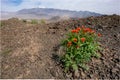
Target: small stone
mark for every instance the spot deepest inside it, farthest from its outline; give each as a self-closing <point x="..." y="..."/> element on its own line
<point x="102" y="58"/>
<point x="114" y="70"/>
<point x="61" y="34"/>
<point x="91" y="76"/>
<point x="54" y="73"/>
<point x="69" y="75"/>
<point x="83" y="74"/>
<point x="76" y="74"/>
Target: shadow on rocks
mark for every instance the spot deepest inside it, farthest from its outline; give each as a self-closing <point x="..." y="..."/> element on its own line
<point x="56" y="56"/>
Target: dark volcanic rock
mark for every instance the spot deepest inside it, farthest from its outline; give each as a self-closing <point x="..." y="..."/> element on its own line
<point x="27" y="49"/>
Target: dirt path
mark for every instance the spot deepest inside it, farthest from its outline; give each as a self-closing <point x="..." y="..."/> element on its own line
<point x="31" y="51"/>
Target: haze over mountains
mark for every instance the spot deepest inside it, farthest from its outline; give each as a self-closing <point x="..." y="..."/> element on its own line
<point x="47" y="13"/>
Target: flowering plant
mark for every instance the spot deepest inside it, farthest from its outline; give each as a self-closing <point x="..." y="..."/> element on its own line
<point x="81" y="45"/>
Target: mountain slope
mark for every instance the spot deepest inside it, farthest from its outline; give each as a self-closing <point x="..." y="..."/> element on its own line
<point x="57" y="12"/>
<point x="47" y="13"/>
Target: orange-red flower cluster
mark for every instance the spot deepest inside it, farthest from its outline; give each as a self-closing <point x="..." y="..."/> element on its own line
<point x="69" y="43"/>
<point x="89" y="30"/>
<point x="83" y="39"/>
<point x="78" y="28"/>
<point x="74" y="31"/>
<point x="92" y="31"/>
<point x="75" y="39"/>
<point x="99" y="34"/>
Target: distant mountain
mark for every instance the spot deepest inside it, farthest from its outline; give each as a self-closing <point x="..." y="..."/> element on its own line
<point x="48" y="13"/>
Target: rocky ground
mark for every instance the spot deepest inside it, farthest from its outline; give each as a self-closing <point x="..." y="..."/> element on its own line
<point x="33" y="50"/>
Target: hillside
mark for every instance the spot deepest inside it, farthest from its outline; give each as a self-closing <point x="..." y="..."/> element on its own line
<point x="33" y="50"/>
<point x="57" y="12"/>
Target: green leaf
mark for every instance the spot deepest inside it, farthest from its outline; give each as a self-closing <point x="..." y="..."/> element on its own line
<point x="75" y="67"/>
<point x="84" y="66"/>
<point x="67" y="64"/>
<point x="97" y="55"/>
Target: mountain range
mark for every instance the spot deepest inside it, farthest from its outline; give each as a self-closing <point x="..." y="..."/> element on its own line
<point x="47" y="13"/>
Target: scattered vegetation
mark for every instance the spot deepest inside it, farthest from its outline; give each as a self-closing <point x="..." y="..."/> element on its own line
<point x="81" y="45"/>
<point x="6" y="52"/>
<point x="24" y="20"/>
<point x="34" y="21"/>
<point x="1" y="24"/>
<point x="42" y="21"/>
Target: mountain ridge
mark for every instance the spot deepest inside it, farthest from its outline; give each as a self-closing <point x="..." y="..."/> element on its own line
<point x="48" y="13"/>
<point x="57" y="12"/>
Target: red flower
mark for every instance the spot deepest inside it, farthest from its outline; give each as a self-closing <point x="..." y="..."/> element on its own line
<point x="75" y="39"/>
<point x="78" y="28"/>
<point x="69" y="43"/>
<point x="86" y="29"/>
<point x="83" y="39"/>
<point x="77" y="31"/>
<point x="99" y="34"/>
<point x="74" y="31"/>
<point x="92" y="31"/>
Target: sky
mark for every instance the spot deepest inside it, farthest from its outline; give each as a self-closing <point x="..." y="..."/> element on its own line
<point x="99" y="6"/>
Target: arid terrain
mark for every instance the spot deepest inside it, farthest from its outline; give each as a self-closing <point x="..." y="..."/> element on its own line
<point x="32" y="51"/>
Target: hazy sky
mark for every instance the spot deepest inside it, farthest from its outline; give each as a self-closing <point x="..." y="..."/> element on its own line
<point x="99" y="6"/>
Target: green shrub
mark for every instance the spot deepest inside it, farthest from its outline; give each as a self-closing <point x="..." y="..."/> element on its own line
<point x="1" y="24"/>
<point x="24" y="20"/>
<point x="6" y="52"/>
<point x="34" y="21"/>
<point x="42" y="21"/>
<point x="81" y="45"/>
